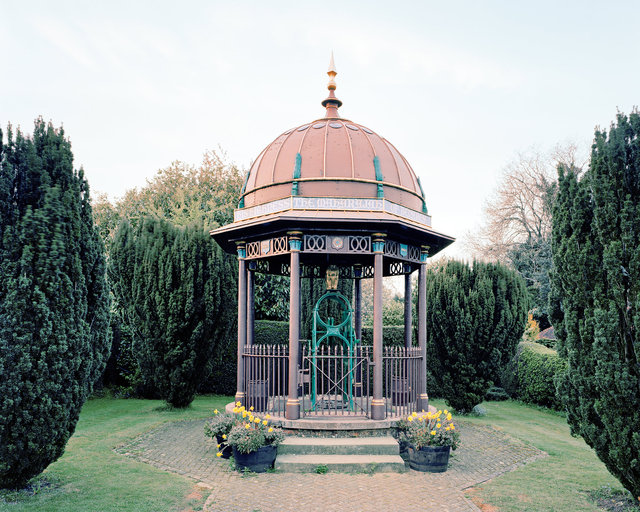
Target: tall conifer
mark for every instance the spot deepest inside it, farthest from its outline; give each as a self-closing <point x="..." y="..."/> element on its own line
<point x="595" y="300"/>
<point x="178" y="293"/>
<point x="54" y="305"/>
<point x="475" y="318"/>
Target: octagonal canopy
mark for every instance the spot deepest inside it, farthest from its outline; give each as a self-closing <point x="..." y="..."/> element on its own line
<point x="334" y="173"/>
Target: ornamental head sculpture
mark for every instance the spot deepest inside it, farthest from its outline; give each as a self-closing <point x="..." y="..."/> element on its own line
<point x="333" y="275"/>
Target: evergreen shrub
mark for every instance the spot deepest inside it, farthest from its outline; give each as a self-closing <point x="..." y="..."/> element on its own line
<point x="54" y="301"/>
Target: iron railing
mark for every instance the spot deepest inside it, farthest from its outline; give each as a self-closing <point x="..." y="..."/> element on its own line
<point x="333" y="381"/>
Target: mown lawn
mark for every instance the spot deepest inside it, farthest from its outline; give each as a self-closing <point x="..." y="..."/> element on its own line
<point x="558" y="483"/>
<point x="91" y="477"/>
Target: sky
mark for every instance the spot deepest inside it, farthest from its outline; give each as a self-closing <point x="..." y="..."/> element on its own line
<point x="460" y="88"/>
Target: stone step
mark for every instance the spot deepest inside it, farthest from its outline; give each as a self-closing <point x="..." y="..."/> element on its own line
<point x="316" y="463"/>
<point x="381" y="445"/>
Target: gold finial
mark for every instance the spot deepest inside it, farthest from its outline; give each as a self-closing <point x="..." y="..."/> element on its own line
<point x="332" y="74"/>
<point x="332" y="103"/>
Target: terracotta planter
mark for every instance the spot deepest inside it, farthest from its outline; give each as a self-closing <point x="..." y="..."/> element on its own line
<point x="258" y="461"/>
<point x="429" y="459"/>
<point x="226" y="451"/>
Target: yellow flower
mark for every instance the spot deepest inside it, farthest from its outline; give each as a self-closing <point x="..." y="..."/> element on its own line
<point x="224" y="436"/>
<point x="410" y="418"/>
<point x="251" y="408"/>
<point x="246" y="425"/>
<point x="268" y="416"/>
<point x="446" y="412"/>
<point x="244" y="414"/>
<point x="235" y="409"/>
<point x="242" y="408"/>
<point x="420" y="418"/>
<point x="250" y="417"/>
<point x="265" y="423"/>
<point x="270" y="430"/>
<point x="215" y="411"/>
<point x="218" y="454"/>
<point x="433" y="432"/>
<point x="415" y="414"/>
<point x="449" y="416"/>
<point x="256" y="420"/>
<point x="438" y="425"/>
<point x="453" y="427"/>
<point x="238" y="404"/>
<point x="429" y="415"/>
<point x="218" y="446"/>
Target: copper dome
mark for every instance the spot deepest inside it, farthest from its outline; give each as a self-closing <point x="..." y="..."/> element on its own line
<point x="332" y="157"/>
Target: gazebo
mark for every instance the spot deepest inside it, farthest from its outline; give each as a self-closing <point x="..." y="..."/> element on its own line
<point x="331" y="198"/>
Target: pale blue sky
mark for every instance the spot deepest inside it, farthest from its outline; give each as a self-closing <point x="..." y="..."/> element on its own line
<point x="458" y="87"/>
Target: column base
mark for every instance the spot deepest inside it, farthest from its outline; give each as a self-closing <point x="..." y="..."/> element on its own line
<point x="292" y="409"/>
<point x="240" y="397"/>
<point x="423" y="403"/>
<point x="378" y="409"/>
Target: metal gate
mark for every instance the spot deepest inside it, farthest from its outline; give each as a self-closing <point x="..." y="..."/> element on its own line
<point x="336" y="380"/>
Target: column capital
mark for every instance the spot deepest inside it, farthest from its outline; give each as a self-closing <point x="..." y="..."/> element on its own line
<point x="424" y="253"/>
<point x="378" y="240"/>
<point x="241" y="247"/>
<point x="295" y="240"/>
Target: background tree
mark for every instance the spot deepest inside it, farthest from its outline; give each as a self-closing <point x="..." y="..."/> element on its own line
<point x="475" y="318"/>
<point x="182" y="194"/>
<point x="517" y="222"/>
<point x="595" y="301"/>
<point x="54" y="304"/>
<point x="178" y="292"/>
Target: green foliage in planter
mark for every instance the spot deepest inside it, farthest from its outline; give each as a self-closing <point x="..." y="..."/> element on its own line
<point x="476" y="316"/>
<point x="220" y="424"/>
<point x="595" y="297"/>
<point x="54" y="301"/>
<point x="177" y="290"/>
<point x="248" y="436"/>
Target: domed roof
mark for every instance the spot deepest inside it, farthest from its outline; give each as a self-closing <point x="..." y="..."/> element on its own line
<point x="332" y="157"/>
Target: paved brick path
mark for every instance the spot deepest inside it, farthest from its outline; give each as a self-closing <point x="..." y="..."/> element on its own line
<point x="181" y="448"/>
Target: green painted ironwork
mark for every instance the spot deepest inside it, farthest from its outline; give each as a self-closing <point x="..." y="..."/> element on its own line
<point x="296" y="174"/>
<point x="244" y="187"/>
<point x="379" y="177"/>
<point x="343" y="331"/>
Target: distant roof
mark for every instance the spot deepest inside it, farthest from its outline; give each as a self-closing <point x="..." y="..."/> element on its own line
<point x="547" y="334"/>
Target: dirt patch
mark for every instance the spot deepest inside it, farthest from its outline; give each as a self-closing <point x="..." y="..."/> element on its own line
<point x="477" y="501"/>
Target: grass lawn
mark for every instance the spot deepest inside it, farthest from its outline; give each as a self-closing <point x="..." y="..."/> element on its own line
<point x="91" y="477"/>
<point x="560" y="482"/>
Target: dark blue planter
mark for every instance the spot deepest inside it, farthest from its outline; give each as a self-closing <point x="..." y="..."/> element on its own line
<point x="429" y="459"/>
<point x="258" y="461"/>
<point x="226" y="451"/>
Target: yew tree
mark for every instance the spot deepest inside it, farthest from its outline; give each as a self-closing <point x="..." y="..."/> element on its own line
<point x="595" y="297"/>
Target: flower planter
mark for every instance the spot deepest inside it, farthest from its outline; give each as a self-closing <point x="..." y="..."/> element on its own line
<point x="429" y="459"/>
<point x="226" y="451"/>
<point x="258" y="461"/>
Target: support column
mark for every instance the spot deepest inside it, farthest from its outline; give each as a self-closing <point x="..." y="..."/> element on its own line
<point x="378" y="406"/>
<point x="251" y="310"/>
<point x="408" y="319"/>
<point x="292" y="410"/>
<point x="423" y="397"/>
<point x="242" y="320"/>
<point x="357" y="295"/>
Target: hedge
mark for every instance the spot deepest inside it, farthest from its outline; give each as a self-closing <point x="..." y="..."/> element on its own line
<point x="530" y="376"/>
<point x="273" y="332"/>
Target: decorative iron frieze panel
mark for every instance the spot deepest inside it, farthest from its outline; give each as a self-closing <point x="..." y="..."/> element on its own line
<point x="315" y="243"/>
<point x="266" y="248"/>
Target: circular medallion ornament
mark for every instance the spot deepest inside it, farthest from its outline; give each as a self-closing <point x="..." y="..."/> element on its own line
<point x="337" y="242"/>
